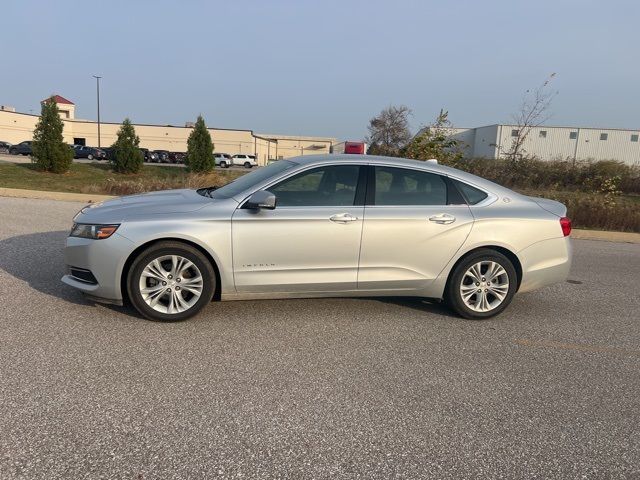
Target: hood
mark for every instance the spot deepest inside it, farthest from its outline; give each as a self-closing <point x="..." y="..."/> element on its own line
<point x="551" y="206"/>
<point x="163" y="202"/>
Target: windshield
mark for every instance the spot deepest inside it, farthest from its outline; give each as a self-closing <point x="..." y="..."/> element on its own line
<point x="247" y="181"/>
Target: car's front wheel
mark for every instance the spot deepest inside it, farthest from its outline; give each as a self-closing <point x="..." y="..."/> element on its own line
<point x="247" y="165"/>
<point x="223" y="164"/>
<point x="482" y="285"/>
<point x="170" y="281"/>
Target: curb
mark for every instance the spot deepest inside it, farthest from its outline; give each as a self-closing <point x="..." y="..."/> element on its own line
<point x="605" y="236"/>
<point x="46" y="195"/>
<point x="576" y="234"/>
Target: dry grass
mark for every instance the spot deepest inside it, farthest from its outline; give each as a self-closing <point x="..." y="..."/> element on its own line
<point x="125" y="186"/>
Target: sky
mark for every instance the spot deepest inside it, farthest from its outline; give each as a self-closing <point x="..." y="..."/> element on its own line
<point x="323" y="68"/>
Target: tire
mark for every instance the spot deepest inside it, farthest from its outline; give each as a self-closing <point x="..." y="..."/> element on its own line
<point x="12" y="152"/>
<point x="89" y="157"/>
<point x="223" y="164"/>
<point x="159" y="301"/>
<point x="481" y="300"/>
<point x="247" y="165"/>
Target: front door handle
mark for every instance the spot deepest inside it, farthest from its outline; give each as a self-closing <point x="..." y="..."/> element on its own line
<point x="442" y="218"/>
<point x="343" y="218"/>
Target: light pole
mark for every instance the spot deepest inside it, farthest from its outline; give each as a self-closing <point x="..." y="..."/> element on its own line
<point x="98" y="96"/>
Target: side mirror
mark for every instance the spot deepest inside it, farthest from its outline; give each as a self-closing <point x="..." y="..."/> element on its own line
<point x="261" y="199"/>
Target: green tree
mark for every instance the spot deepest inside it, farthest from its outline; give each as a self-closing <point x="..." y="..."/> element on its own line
<point x="127" y="155"/>
<point x="436" y="141"/>
<point x="200" y="148"/>
<point x="50" y="152"/>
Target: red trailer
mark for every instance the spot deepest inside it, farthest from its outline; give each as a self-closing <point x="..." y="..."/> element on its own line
<point x="355" y="148"/>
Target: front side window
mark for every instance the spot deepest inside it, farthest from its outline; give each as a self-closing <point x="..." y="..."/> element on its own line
<point x="401" y="186"/>
<point x="252" y="179"/>
<point x="333" y="185"/>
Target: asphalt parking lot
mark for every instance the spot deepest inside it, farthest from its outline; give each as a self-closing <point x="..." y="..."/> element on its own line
<point x="353" y="388"/>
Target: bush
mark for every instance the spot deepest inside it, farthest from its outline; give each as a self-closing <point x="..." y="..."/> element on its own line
<point x="603" y="176"/>
<point x="199" y="157"/>
<point x="597" y="211"/>
<point x="49" y="151"/>
<point x="127" y="157"/>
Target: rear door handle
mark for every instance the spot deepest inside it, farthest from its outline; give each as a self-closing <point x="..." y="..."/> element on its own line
<point x="442" y="218"/>
<point x="343" y="218"/>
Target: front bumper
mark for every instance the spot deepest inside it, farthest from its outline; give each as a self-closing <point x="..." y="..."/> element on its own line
<point x="104" y="259"/>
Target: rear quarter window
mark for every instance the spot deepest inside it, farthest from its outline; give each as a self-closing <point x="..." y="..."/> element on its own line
<point x="471" y="194"/>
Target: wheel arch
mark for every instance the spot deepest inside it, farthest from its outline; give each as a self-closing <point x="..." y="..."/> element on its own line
<point x="134" y="254"/>
<point x="513" y="258"/>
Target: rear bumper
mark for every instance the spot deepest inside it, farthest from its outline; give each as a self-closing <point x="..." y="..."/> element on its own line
<point x="104" y="259"/>
<point x="545" y="263"/>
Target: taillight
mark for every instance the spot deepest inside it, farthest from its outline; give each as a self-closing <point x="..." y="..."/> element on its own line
<point x="565" y="224"/>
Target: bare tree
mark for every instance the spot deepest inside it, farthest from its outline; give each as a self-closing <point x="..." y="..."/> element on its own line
<point x="389" y="131"/>
<point x="533" y="112"/>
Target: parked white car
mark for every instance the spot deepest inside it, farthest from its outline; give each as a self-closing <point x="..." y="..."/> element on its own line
<point x="244" y="160"/>
<point x="223" y="160"/>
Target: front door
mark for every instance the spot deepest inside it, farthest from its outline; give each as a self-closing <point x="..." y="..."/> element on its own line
<point x="413" y="227"/>
<point x="310" y="242"/>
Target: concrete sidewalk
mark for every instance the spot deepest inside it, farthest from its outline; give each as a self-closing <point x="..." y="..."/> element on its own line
<point x="605" y="236"/>
<point x="63" y="196"/>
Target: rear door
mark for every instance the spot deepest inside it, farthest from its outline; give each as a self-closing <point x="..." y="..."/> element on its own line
<point x="415" y="221"/>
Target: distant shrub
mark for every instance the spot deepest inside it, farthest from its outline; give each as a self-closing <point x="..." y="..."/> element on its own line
<point x="200" y="149"/>
<point x="127" y="155"/>
<point x="50" y="152"/>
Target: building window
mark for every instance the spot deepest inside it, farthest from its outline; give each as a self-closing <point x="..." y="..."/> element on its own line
<point x="604" y="136"/>
<point x="543" y="134"/>
<point x="514" y="133"/>
<point x="573" y="135"/>
<point x="634" y="137"/>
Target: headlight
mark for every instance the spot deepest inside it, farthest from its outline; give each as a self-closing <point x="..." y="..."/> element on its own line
<point x="96" y="232"/>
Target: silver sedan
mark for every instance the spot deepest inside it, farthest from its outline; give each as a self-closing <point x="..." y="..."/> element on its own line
<point x="321" y="226"/>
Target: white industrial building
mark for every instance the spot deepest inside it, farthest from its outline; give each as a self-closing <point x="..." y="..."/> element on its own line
<point x="549" y="143"/>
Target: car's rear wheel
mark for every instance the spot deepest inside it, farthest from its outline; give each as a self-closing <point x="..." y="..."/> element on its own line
<point x="481" y="285"/>
<point x="170" y="281"/>
<point x="247" y="165"/>
<point x="89" y="157"/>
<point x="223" y="164"/>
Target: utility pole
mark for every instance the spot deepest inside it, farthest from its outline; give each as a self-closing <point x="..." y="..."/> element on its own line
<point x="98" y="96"/>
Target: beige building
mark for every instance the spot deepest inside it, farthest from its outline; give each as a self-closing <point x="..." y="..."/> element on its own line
<point x="16" y="127"/>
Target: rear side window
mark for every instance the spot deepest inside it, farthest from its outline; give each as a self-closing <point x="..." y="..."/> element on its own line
<point x="401" y="186"/>
<point x="471" y="194"/>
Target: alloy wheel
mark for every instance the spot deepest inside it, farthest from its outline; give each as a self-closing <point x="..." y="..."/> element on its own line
<point x="484" y="286"/>
<point x="171" y="284"/>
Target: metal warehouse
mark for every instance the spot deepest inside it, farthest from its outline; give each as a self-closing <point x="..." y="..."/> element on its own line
<point x="549" y="143"/>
